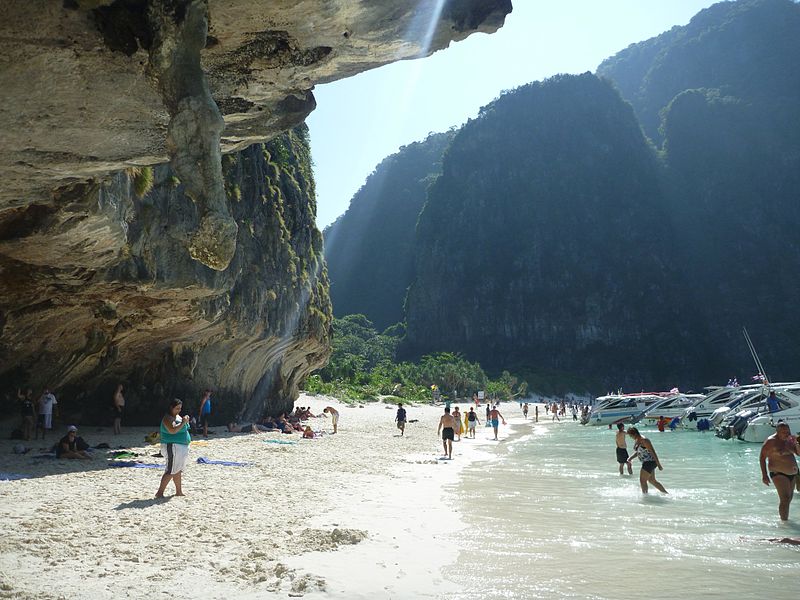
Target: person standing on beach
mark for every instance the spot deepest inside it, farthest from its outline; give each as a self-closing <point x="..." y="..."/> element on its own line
<point x="401" y="419"/>
<point x="119" y="407"/>
<point x="205" y="411"/>
<point x="554" y="410"/>
<point x="495" y="417"/>
<point x="779" y="450"/>
<point x="472" y="420"/>
<point x="647" y="454"/>
<point x="175" y="441"/>
<point x="622" y="450"/>
<point x="457" y="426"/>
<point x="536" y="412"/>
<point x="329" y="410"/>
<point x="447" y="429"/>
<point x="47" y="402"/>
<point x="525" y="410"/>
<point x="28" y="412"/>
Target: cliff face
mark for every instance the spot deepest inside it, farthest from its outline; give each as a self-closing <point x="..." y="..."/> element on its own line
<point x="93" y="86"/>
<point x="99" y="289"/>
<point x="567" y="262"/>
<point x="214" y="277"/>
<point x="370" y="249"/>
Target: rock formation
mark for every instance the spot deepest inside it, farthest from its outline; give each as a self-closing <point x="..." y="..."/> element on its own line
<point x="172" y="279"/>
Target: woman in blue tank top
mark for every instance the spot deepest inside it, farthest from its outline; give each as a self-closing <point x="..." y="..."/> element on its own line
<point x="175" y="440"/>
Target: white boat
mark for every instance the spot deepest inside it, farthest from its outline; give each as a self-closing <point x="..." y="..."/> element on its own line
<point x="622" y="408"/>
<point x="762" y="425"/>
<point x="717" y="397"/>
<point x="671" y="407"/>
<point x="735" y="405"/>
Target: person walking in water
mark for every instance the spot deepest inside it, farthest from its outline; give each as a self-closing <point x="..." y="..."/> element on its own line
<point x="329" y="410"/>
<point x="175" y="441"/>
<point x="472" y="420"/>
<point x="643" y="448"/>
<point x="401" y="419"/>
<point x="119" y="408"/>
<point x="494" y="418"/>
<point x="205" y="411"/>
<point x="622" y="450"/>
<point x="447" y="425"/>
<point x="778" y="452"/>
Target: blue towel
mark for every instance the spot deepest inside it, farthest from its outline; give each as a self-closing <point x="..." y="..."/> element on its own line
<point x="279" y="442"/>
<point x="13" y="476"/>
<point x="135" y="465"/>
<point x="226" y="463"/>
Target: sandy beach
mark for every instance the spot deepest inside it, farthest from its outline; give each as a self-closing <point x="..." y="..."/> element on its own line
<point x="346" y="515"/>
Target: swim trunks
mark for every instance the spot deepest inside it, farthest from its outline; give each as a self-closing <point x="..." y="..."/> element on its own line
<point x="622" y="455"/>
<point x="649" y="466"/>
<point x="401" y="424"/>
<point x="774" y="474"/>
<point x="177" y="455"/>
<point x="448" y="434"/>
<point x="495" y="423"/>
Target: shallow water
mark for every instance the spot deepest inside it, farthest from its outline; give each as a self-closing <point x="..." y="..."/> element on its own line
<point x="550" y="517"/>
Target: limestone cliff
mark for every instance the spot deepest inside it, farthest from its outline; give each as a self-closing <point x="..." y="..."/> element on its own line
<point x="98" y="289"/>
<point x="210" y="274"/>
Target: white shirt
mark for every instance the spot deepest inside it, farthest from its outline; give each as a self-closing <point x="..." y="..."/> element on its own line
<point x="46" y="403"/>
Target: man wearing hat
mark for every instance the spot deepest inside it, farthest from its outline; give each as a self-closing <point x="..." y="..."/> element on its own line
<point x="72" y="446"/>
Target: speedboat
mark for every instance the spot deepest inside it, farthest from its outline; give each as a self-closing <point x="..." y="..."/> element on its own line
<point x="762" y="425"/>
<point x="670" y="408"/>
<point x="717" y="397"/>
<point x="735" y="405"/>
<point x="622" y="408"/>
<point x="752" y="405"/>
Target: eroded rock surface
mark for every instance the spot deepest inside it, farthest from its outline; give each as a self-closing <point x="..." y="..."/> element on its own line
<point x="215" y="276"/>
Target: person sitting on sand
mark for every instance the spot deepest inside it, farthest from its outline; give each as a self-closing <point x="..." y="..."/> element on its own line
<point x="308" y="433"/>
<point x="72" y="446"/>
<point x="329" y="410"/>
<point x="175" y="440"/>
<point x="643" y="448"/>
<point x="780" y="449"/>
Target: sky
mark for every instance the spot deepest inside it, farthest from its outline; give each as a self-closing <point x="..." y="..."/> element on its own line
<point x="361" y="120"/>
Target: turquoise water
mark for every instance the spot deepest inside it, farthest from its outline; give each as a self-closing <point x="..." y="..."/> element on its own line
<point x="550" y="517"/>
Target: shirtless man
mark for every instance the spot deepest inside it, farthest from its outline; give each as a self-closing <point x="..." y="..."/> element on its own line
<point x="447" y="430"/>
<point x="494" y="417"/>
<point x="622" y="450"/>
<point x="779" y="449"/>
<point x="334" y="416"/>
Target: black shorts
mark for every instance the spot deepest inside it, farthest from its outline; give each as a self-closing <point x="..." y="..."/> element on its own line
<point x="622" y="455"/>
<point x="649" y="466"/>
<point x="204" y="419"/>
<point x="448" y="434"/>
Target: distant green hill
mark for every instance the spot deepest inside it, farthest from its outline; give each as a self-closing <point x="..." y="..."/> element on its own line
<point x="370" y="248"/>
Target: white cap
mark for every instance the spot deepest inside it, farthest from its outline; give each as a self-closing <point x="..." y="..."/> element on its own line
<point x="72" y="428"/>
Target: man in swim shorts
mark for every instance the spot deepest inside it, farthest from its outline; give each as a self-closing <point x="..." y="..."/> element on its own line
<point x="779" y="451"/>
<point x="447" y="430"/>
<point x="401" y="419"/>
<point x="622" y="450"/>
<point x="494" y="419"/>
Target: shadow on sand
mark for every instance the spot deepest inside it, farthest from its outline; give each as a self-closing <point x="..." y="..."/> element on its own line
<point x="145" y="503"/>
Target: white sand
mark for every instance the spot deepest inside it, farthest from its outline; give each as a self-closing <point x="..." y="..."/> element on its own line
<point x="80" y="529"/>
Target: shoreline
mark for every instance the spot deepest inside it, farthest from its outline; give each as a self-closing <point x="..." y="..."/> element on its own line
<point x="289" y="525"/>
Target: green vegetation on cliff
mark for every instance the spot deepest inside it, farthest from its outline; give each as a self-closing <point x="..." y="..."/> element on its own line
<point x="369" y="249"/>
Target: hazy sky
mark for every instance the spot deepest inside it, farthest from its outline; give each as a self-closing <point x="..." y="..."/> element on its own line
<point x="360" y="121"/>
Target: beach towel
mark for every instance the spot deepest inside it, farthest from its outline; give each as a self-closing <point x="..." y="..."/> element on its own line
<point x="198" y="443"/>
<point x="13" y="476"/>
<point x="279" y="442"/>
<point x="117" y="454"/>
<point x="135" y="465"/>
<point x="225" y="463"/>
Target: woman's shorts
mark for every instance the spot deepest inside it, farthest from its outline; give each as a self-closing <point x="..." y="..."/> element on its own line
<point x="649" y="466"/>
<point x="176" y="455"/>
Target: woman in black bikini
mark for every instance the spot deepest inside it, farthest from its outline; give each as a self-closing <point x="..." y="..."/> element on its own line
<point x="643" y="448"/>
<point x="780" y="449"/>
